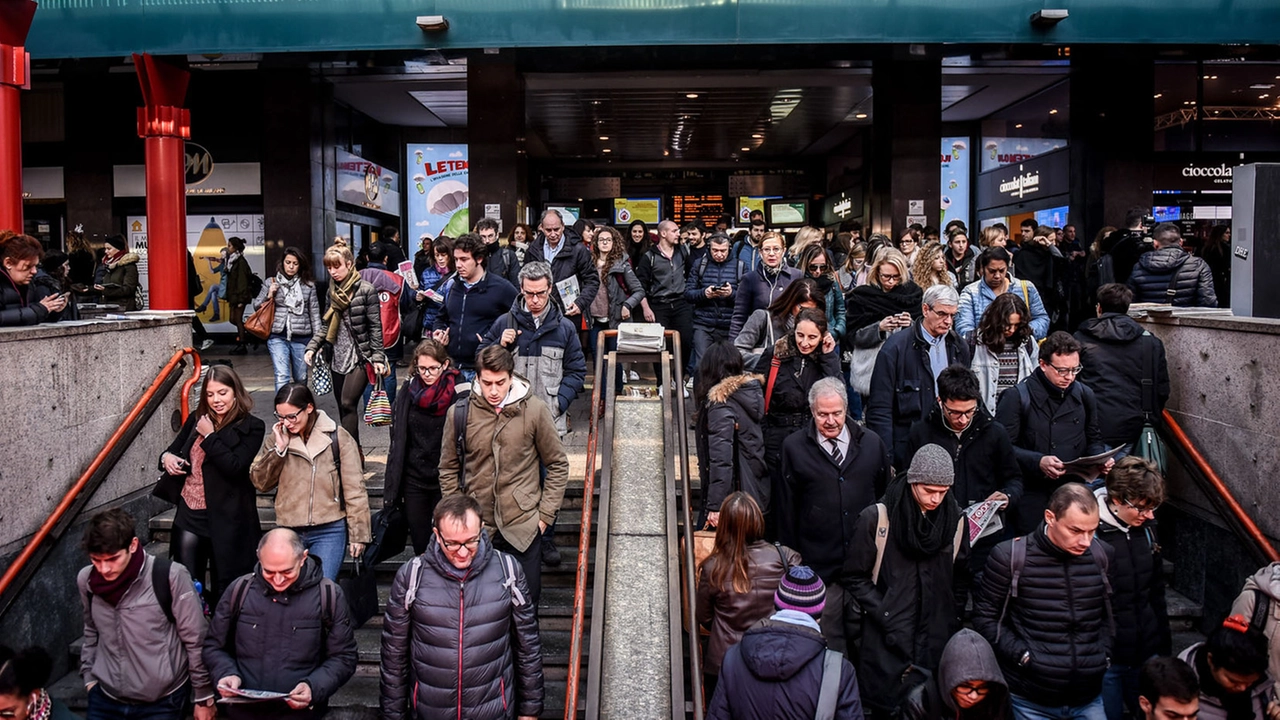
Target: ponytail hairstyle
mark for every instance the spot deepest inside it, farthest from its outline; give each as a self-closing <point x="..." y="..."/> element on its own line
<point x="22" y="673"/>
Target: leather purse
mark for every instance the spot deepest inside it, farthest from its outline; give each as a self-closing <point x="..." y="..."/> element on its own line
<point x="259" y="323"/>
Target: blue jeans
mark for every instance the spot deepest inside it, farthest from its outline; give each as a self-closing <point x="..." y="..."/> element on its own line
<point x="286" y="360"/>
<point x="1120" y="690"/>
<point x="1024" y="709"/>
<point x="328" y="543"/>
<point x="104" y="707"/>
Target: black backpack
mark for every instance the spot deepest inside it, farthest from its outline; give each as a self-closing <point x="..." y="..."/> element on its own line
<point x="160" y="584"/>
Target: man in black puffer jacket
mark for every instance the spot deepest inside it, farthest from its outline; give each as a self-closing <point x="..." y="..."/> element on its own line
<point x="1044" y="605"/>
<point x="1170" y="267"/>
<point x="460" y="638"/>
<point x="712" y="290"/>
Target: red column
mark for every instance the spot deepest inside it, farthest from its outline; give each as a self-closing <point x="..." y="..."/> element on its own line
<point x="15" y="76"/>
<point x="165" y="126"/>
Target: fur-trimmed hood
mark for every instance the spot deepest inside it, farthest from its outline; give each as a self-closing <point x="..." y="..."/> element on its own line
<point x="723" y="390"/>
<point x="785" y="347"/>
<point x="127" y="259"/>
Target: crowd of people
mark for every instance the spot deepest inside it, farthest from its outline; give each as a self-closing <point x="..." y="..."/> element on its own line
<point x="857" y="404"/>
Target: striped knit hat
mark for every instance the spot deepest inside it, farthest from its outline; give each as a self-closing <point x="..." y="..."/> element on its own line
<point x="801" y="590"/>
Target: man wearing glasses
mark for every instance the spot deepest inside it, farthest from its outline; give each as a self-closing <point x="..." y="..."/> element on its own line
<point x="995" y="267"/>
<point x="1052" y="420"/>
<point x="460" y="636"/>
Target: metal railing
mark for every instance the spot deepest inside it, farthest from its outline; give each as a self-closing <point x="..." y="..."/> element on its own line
<point x="24" y="567"/>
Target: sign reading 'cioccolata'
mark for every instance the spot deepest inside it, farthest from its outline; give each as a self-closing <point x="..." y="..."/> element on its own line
<point x="1021" y="185"/>
<point x="1043" y="176"/>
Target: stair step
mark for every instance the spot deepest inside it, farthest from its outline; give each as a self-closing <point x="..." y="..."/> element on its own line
<point x="1182" y="607"/>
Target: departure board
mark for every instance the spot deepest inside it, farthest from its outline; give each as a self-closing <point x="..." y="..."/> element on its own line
<point x="705" y="209"/>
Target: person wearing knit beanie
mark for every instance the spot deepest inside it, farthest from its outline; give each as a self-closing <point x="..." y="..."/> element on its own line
<point x="932" y="465"/>
<point x="801" y="590"/>
<point x="118" y="243"/>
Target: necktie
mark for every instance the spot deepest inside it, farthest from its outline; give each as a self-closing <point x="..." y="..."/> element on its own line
<point x="835" y="452"/>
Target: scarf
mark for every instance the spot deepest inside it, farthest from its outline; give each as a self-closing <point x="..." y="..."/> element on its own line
<point x="1239" y="706"/>
<point x="292" y="288"/>
<point x="435" y="399"/>
<point x="918" y="534"/>
<point x="40" y="707"/>
<point x="112" y="591"/>
<point x="340" y="296"/>
<point x="868" y="304"/>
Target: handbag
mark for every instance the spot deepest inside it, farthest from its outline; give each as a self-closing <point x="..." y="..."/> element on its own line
<point x="377" y="412"/>
<point x="1150" y="446"/>
<point x="169" y="488"/>
<point x="389" y="533"/>
<point x="704" y="543"/>
<point x="259" y="323"/>
<point x="320" y="375"/>
<point x="360" y="587"/>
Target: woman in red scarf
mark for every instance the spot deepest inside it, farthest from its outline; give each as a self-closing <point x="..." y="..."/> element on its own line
<point x="417" y="429"/>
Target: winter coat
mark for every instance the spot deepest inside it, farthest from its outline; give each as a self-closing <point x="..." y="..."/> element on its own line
<point x="293" y="327"/>
<point x="775" y="673"/>
<point x="238" y="292"/>
<point x="1267" y="582"/>
<point x="967" y="658"/>
<point x="1056" y="422"/>
<point x="1211" y="708"/>
<point x="757" y="291"/>
<point x="978" y="296"/>
<point x="548" y="356"/>
<point x="279" y="639"/>
<point x="902" y="388"/>
<point x="229" y="494"/>
<point x="502" y="262"/>
<point x="364" y="320"/>
<point x="965" y="270"/>
<point x="433" y="279"/>
<point x="713" y="313"/>
<point x="503" y="455"/>
<point x="133" y="651"/>
<point x="623" y="288"/>
<point x="1060" y="619"/>
<point x="573" y="260"/>
<point x="728" y="613"/>
<point x="819" y="502"/>
<point x="307" y="484"/>
<point x="734" y="441"/>
<point x="1115" y="353"/>
<point x="120" y="282"/>
<point x="796" y="374"/>
<point x="984" y="459"/>
<point x="1155" y="270"/>
<point x="911" y="611"/>
<point x="401" y="467"/>
<point x="469" y="311"/>
<point x="1137" y="585"/>
<point x="986" y="366"/>
<point x="836" y="312"/>
<point x="761" y="331"/>
<point x="462" y="647"/>
<point x="18" y="305"/>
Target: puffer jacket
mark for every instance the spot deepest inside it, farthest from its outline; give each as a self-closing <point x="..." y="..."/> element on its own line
<point x="1211" y="708"/>
<point x="469" y="311"/>
<point x="133" y="651"/>
<point x="757" y="291"/>
<point x="1115" y="352"/>
<point x="986" y="366"/>
<point x="967" y="658"/>
<point x="504" y="453"/>
<point x="734" y="441"/>
<point x="713" y="313"/>
<point x="775" y="673"/>
<point x="462" y="647"/>
<point x="549" y="356"/>
<point x="1267" y="582"/>
<point x="728" y="613"/>
<point x="364" y="315"/>
<point x="1142" y="615"/>
<point x="279" y="639"/>
<point x="1060" y="618"/>
<point x="1155" y="270"/>
<point x="121" y="282"/>
<point x="307" y="484"/>
<point x="623" y="288"/>
<point x="295" y="327"/>
<point x="18" y="305"/>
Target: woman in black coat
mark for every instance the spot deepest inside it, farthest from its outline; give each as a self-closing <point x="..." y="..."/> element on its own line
<point x="728" y="431"/>
<point x="207" y="476"/>
<point x="417" y="429"/>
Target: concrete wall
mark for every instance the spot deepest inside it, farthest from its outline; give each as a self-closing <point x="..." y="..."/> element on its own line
<point x="66" y="388"/>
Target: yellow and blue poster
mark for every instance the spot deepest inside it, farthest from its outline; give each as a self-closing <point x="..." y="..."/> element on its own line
<point x="437" y="191"/>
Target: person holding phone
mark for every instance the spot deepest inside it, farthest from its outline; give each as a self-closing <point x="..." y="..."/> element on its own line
<point x="889" y="302"/>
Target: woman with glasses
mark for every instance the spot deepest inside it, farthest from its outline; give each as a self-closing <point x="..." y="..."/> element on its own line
<point x="207" y="476"/>
<point x="815" y="263"/>
<point x="969" y="685"/>
<point x="620" y="291"/>
<point x="909" y="246"/>
<point x="317" y="472"/>
<point x="760" y="287"/>
<point x="888" y="303"/>
<point x="1004" y="353"/>
<point x="417" y="429"/>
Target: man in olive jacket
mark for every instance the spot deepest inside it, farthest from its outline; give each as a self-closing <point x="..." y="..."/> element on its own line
<point x="508" y="434"/>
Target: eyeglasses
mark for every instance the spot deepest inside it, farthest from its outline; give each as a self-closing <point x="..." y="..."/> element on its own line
<point x="1073" y="371"/>
<point x="960" y="413"/>
<point x="967" y="689"/>
<point x="451" y="546"/>
<point x="424" y="370"/>
<point x="819" y="267"/>
<point x="290" y="417"/>
<point x="887" y="276"/>
<point x="541" y="294"/>
<point x="943" y="315"/>
<point x="1151" y="511"/>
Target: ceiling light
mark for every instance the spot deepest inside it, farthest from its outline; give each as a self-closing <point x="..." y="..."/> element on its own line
<point x="1264" y="96"/>
<point x="1018" y="126"/>
<point x="861" y="116"/>
<point x="1053" y="111"/>
<point x="756" y="136"/>
<point x="666" y="153"/>
<point x="746" y="149"/>
<point x="691" y="96"/>
<point x="608" y="150"/>
<point x="604" y="137"/>
<point x="1159" y="95"/>
<point x="595" y="102"/>
<point x="1262" y="86"/>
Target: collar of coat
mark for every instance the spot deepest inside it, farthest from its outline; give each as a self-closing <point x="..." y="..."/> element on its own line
<point x="725" y="389"/>
<point x="856" y="433"/>
<point x="513" y="404"/>
<point x="318" y="442"/>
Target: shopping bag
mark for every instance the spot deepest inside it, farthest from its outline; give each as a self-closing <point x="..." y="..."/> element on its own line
<point x="704" y="543"/>
<point x="320" y="376"/>
<point x="377" y="412"/>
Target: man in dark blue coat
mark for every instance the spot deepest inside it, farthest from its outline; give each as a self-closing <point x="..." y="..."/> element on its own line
<point x="712" y="290"/>
<point x="474" y="301"/>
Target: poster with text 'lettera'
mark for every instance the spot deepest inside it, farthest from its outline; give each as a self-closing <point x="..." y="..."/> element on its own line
<point x="437" y="190"/>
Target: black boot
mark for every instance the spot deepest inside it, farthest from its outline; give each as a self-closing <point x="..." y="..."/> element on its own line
<point x="550" y="553"/>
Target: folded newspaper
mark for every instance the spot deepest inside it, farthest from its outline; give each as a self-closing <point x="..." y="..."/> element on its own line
<point x="569" y="290"/>
<point x="241" y="695"/>
<point x="984" y="519"/>
<point x="1090" y="467"/>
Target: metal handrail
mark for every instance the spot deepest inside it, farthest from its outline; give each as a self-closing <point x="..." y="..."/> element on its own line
<point x="60" y="518"/>
<point x="1224" y="493"/>
<point x="690" y="572"/>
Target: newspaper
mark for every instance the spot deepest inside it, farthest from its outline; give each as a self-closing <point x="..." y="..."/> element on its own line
<point x="241" y="695"/>
<point x="568" y="289"/>
<point x="984" y="519"/>
<point x="1090" y="466"/>
<point x="405" y="270"/>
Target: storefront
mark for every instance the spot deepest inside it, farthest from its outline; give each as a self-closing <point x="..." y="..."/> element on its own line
<point x="1037" y="188"/>
<point x="368" y="199"/>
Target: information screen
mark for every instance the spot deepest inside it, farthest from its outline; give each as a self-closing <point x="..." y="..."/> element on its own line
<point x="786" y="213"/>
<point x="747" y="205"/>
<point x="705" y="209"/>
<point x="627" y="210"/>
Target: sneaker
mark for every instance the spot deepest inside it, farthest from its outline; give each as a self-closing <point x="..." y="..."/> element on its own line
<point x="208" y="343"/>
<point x="550" y="553"/>
<point x="634" y="376"/>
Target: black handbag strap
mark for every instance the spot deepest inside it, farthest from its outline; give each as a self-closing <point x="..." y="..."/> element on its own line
<point x="1148" y="381"/>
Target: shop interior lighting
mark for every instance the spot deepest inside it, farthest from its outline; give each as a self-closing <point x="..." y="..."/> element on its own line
<point x="1053" y="111"/>
<point x="604" y="137"/>
<point x="746" y="149"/>
<point x="1159" y="95"/>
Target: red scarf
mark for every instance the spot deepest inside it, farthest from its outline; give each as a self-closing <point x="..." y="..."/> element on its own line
<point x="113" y="590"/>
<point x="435" y="399"/>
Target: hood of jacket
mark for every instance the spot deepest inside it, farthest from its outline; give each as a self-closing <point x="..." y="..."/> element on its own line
<point x="785" y="348"/>
<point x="723" y="390"/>
<point x="318" y="442"/>
<point x="127" y="259"/>
<point x="1267" y="580"/>
<point x="1105" y="515"/>
<point x="309" y="576"/>
<point x="1162" y="261"/>
<point x="518" y="392"/>
<point x="774" y="650"/>
<point x="1112" y="328"/>
<point x="967" y="658"/>
<point x="524" y="318"/>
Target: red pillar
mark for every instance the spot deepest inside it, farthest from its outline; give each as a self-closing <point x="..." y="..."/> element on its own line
<point x="165" y="126"/>
<point x="15" y="76"/>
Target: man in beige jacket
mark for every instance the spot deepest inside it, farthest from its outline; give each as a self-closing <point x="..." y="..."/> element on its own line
<point x="508" y="435"/>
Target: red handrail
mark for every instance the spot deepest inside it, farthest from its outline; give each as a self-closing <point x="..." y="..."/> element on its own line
<point x="1250" y="527"/>
<point x="36" y="540"/>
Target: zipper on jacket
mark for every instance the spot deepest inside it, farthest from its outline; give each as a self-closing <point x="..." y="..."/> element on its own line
<point x="311" y="498"/>
<point x="462" y="602"/>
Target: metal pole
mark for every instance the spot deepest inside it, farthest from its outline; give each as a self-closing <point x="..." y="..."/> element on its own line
<point x="15" y="76"/>
<point x="165" y="126"/>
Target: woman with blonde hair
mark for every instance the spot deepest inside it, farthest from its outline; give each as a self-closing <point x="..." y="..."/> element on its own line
<point x="805" y="238"/>
<point x="889" y="302"/>
<point x="930" y="267"/>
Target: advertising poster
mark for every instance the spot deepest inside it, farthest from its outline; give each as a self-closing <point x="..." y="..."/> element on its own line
<point x="954" y="198"/>
<point x="437" y="190"/>
<point x="206" y="237"/>
<point x="998" y="151"/>
<point x="625" y="210"/>
<point x="367" y="184"/>
<point x="748" y="205"/>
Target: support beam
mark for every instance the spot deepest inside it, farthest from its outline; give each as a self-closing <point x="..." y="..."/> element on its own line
<point x="15" y="76"/>
<point x="165" y="126"/>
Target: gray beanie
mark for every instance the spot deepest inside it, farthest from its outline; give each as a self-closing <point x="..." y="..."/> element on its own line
<point x="932" y="465"/>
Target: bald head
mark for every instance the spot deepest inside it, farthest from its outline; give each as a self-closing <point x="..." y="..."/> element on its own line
<point x="668" y="233"/>
<point x="281" y="555"/>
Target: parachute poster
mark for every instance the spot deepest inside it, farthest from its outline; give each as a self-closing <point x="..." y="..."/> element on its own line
<point x="437" y="191"/>
<point x="954" y="199"/>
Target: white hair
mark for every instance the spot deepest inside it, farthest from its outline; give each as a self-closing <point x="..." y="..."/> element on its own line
<point x="936" y="295"/>
<point x="828" y="386"/>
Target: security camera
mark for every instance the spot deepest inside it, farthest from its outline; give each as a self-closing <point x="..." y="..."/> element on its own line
<point x="433" y="23"/>
<point x="1048" y="17"/>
